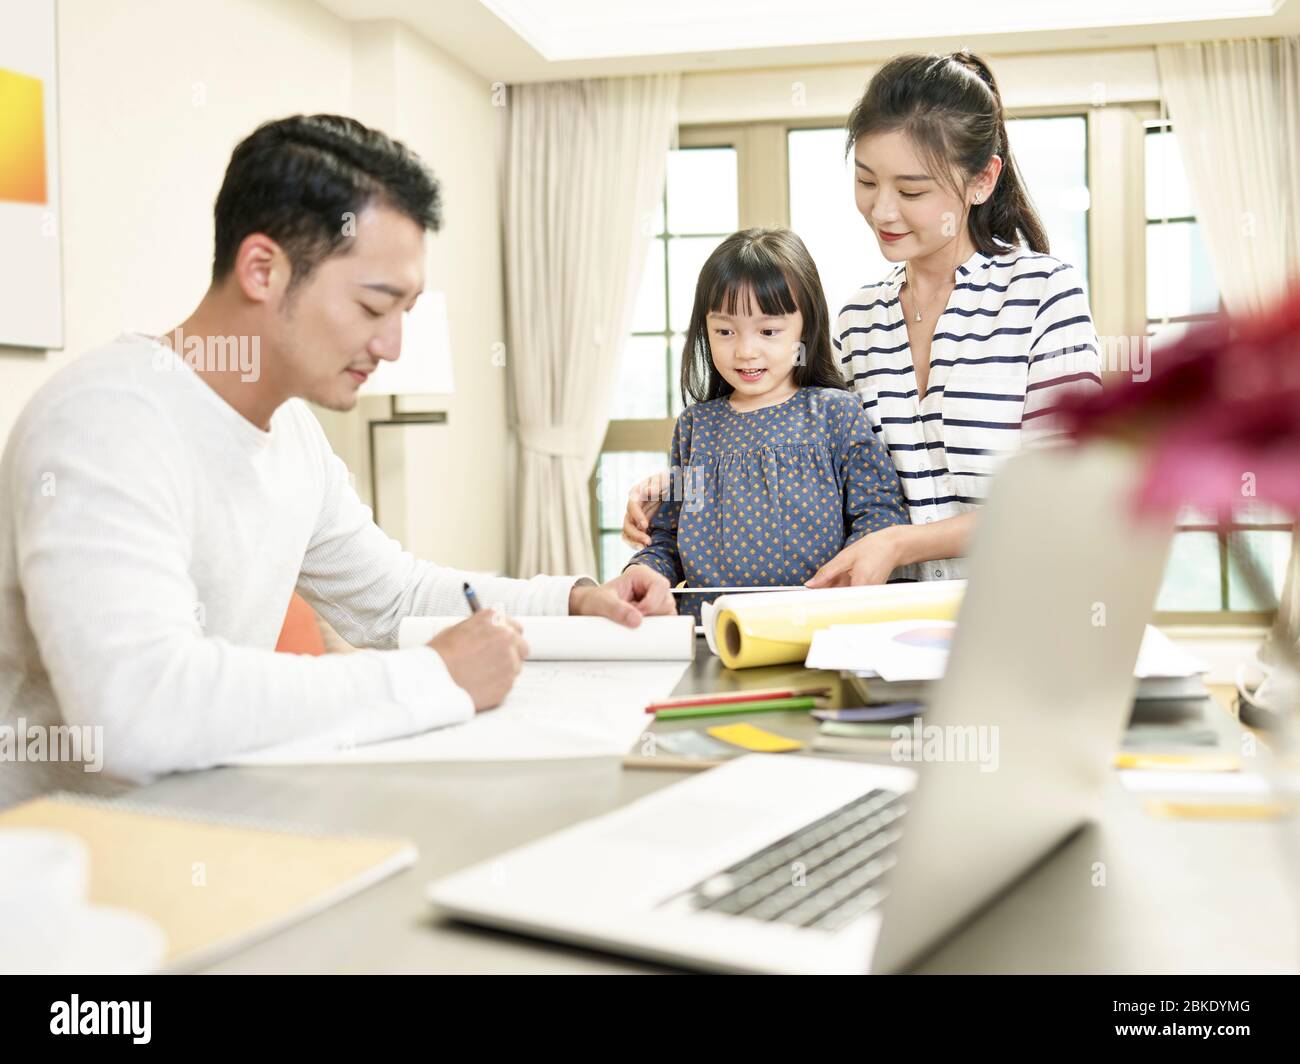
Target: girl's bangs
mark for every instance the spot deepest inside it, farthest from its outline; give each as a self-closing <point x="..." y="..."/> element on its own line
<point x="738" y="282"/>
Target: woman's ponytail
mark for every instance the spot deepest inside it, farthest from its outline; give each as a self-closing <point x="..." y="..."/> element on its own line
<point x="1008" y="210"/>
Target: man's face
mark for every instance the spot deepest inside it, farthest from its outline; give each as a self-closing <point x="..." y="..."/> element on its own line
<point x="347" y="315"/>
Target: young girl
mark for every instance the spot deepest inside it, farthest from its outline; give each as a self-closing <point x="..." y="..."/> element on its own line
<point x="961" y="353"/>
<point x="775" y="466"/>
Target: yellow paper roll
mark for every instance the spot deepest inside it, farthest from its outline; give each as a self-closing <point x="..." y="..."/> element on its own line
<point x="777" y="628"/>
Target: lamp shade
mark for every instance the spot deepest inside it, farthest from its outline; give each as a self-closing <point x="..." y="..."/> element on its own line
<point x="424" y="365"/>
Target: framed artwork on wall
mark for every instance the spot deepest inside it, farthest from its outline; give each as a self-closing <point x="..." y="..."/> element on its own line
<point x="31" y="275"/>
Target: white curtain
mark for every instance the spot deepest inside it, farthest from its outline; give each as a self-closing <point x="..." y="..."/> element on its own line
<point x="584" y="176"/>
<point x="1235" y="106"/>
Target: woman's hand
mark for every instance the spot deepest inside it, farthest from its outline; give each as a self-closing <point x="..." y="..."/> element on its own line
<point x="870" y="560"/>
<point x="642" y="502"/>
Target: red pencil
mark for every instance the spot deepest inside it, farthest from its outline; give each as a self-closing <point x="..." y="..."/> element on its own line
<point x="724" y="697"/>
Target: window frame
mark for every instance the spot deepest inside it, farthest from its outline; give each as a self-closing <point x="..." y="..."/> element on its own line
<point x="656" y="434"/>
<point x="1224" y="616"/>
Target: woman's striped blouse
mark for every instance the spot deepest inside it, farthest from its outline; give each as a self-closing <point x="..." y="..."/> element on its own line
<point x="1016" y="335"/>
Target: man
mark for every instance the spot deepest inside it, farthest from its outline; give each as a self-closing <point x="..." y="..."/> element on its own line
<point x="162" y="498"/>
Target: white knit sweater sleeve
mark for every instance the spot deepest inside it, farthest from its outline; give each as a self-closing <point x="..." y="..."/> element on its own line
<point x="105" y="561"/>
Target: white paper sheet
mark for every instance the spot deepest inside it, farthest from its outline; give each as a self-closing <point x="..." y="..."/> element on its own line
<point x="580" y="638"/>
<point x="873" y="649"/>
<point x="557" y="709"/>
<point x="883" y="649"/>
<point x="1160" y="657"/>
<point x="707" y="620"/>
<point x="1149" y="780"/>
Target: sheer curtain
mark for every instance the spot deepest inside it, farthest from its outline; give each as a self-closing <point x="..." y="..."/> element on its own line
<point x="1235" y="106"/>
<point x="584" y="176"/>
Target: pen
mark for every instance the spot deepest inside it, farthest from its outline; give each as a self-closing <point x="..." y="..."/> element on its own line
<point x="471" y="597"/>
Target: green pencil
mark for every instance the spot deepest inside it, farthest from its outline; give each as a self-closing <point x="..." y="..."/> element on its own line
<point x="770" y="705"/>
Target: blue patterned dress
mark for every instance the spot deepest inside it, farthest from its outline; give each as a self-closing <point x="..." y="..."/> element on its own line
<point x="769" y="496"/>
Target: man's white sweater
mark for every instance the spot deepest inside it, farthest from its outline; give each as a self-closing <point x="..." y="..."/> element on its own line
<point x="150" y="540"/>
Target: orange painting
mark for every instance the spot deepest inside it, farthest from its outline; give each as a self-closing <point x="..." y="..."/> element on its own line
<point x="22" y="138"/>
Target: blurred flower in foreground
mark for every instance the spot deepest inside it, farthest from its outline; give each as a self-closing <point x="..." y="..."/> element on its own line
<point x="1219" y="422"/>
<point x="1219" y="416"/>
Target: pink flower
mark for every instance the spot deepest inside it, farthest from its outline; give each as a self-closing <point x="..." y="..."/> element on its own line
<point x="1219" y="415"/>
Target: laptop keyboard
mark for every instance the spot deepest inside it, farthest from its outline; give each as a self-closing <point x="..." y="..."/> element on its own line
<point x="822" y="876"/>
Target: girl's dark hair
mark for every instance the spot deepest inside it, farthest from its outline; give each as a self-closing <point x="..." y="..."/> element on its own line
<point x="950" y="107"/>
<point x="772" y="268"/>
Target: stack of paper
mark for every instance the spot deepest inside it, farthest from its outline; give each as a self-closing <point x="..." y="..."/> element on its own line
<point x="1166" y="670"/>
<point x="905" y="652"/>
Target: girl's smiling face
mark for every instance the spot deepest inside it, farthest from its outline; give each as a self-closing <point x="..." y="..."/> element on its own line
<point x="756" y="353"/>
<point x="913" y="211"/>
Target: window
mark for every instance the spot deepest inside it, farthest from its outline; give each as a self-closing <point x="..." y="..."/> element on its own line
<point x="1180" y="280"/>
<point x="1202" y="579"/>
<point x="824" y="213"/>
<point x="699" y="209"/>
<point x="1052" y="156"/>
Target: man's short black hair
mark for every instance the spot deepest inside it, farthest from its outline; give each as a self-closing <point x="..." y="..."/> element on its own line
<point x="300" y="179"/>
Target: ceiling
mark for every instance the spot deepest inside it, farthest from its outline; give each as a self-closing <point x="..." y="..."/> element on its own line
<point x="536" y="40"/>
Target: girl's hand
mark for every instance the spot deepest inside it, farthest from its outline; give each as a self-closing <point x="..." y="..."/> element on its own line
<point x="642" y="502"/>
<point x="870" y="560"/>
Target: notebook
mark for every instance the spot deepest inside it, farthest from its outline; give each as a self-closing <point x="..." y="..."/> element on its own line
<point x="212" y="885"/>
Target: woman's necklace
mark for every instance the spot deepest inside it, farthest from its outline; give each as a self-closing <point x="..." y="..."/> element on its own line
<point x="916" y="305"/>
<point x="911" y="287"/>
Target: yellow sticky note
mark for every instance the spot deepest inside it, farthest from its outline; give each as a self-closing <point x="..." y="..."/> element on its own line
<point x="748" y="737"/>
<point x="1168" y="810"/>
<point x="1178" y="762"/>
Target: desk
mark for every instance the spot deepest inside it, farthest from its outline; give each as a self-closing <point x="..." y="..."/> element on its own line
<point x="1180" y="896"/>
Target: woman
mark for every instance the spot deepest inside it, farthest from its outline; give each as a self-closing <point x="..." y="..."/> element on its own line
<point x="961" y="352"/>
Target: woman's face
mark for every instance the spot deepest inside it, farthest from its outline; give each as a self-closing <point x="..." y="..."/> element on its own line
<point x="912" y="211"/>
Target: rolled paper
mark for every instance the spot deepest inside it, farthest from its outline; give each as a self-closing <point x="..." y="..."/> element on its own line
<point x="777" y="629"/>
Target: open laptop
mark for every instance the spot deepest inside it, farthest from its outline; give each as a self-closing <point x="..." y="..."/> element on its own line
<point x="788" y="863"/>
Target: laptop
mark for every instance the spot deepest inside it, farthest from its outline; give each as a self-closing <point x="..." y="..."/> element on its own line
<point x="786" y="863"/>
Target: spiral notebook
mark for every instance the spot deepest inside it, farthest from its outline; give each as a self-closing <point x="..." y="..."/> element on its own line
<point x="213" y="885"/>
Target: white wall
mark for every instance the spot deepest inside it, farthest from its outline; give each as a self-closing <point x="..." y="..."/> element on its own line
<point x="1056" y="79"/>
<point x="154" y="95"/>
<point x="446" y="114"/>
